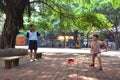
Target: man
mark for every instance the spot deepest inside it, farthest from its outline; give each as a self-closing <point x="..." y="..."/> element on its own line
<point x="32" y="35"/>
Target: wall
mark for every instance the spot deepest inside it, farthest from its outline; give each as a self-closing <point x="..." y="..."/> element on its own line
<point x="20" y="41"/>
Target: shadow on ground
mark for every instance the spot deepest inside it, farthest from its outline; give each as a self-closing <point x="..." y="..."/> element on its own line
<point x="55" y="67"/>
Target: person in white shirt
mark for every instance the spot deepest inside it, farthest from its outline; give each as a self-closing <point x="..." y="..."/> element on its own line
<point x="33" y="35"/>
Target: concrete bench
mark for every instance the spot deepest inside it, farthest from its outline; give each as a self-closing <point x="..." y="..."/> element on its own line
<point x="11" y="56"/>
<point x="13" y="52"/>
<point x="10" y="62"/>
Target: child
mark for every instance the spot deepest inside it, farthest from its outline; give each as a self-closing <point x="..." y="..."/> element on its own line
<point x="95" y="51"/>
<point x="32" y="35"/>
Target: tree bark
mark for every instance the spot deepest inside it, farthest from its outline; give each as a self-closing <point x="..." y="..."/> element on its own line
<point x="75" y="36"/>
<point x="9" y="33"/>
<point x="14" y="10"/>
<point x="117" y="39"/>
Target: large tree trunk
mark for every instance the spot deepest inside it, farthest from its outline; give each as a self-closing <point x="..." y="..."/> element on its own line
<point x="9" y="33"/>
<point x="14" y="10"/>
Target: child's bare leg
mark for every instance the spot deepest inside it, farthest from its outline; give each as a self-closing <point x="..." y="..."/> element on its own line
<point x="30" y="54"/>
<point x="100" y="63"/>
<point x="99" y="60"/>
<point x="93" y="61"/>
<point x="35" y="53"/>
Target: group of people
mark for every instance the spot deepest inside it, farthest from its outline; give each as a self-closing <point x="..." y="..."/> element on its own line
<point x="95" y="45"/>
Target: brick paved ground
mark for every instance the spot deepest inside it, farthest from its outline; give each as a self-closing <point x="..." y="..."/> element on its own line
<point x="55" y="67"/>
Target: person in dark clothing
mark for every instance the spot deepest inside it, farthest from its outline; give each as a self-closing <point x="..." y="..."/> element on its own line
<point x="32" y="35"/>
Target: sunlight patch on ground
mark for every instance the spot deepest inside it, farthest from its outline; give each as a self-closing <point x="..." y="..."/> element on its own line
<point x="76" y="76"/>
<point x="72" y="51"/>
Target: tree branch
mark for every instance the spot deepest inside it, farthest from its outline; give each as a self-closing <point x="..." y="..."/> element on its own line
<point x="29" y="10"/>
<point x="2" y="6"/>
<point x="63" y="14"/>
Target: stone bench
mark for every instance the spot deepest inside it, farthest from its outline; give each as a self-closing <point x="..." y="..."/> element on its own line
<point x="13" y="52"/>
<point x="11" y="56"/>
<point x="10" y="62"/>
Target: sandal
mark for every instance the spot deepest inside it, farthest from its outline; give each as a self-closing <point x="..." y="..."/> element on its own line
<point x="92" y="65"/>
<point x="100" y="68"/>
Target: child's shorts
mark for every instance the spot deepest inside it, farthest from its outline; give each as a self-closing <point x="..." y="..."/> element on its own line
<point x="96" y="55"/>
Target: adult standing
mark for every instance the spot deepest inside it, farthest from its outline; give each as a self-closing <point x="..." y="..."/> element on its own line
<point x="33" y="35"/>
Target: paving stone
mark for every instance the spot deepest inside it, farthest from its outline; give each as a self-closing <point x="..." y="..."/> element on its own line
<point x="54" y="67"/>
